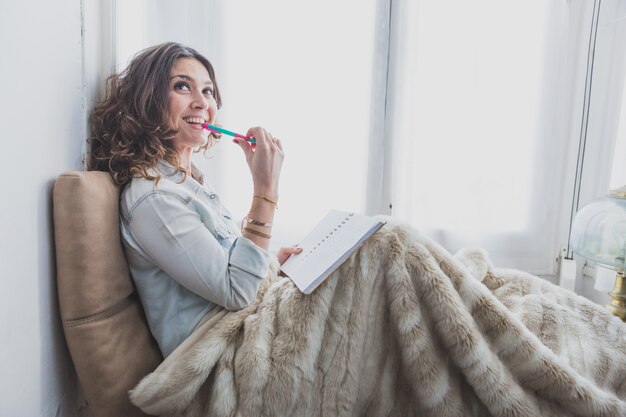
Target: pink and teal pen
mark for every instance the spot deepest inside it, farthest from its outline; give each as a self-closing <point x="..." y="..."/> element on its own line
<point x="218" y="129"/>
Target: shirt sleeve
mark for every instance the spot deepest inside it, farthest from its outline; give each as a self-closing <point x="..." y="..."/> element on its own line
<point x="171" y="233"/>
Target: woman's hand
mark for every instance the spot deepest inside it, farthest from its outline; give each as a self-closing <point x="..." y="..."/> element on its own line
<point x="265" y="160"/>
<point x="285" y="253"/>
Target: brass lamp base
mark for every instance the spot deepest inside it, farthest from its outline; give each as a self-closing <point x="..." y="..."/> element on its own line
<point x="617" y="306"/>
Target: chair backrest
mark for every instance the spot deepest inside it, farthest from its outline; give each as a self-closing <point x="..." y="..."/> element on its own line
<point x="105" y="327"/>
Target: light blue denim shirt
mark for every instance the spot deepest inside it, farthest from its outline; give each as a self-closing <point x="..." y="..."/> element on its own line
<point x="186" y="254"/>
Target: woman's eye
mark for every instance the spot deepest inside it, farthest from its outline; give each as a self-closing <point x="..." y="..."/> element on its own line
<point x="208" y="91"/>
<point x="181" y="86"/>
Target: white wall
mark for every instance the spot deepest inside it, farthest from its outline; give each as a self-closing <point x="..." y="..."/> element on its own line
<point x="43" y="127"/>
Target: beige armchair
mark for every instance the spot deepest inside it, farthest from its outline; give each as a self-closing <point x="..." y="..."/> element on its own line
<point x="104" y="324"/>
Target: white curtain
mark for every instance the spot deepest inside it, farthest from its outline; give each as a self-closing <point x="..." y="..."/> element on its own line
<point x="483" y="98"/>
<point x="302" y="70"/>
<point x="460" y="117"/>
<point x="618" y="173"/>
<point x="611" y="104"/>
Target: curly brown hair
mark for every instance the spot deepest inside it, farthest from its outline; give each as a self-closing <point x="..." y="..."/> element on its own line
<point x="129" y="132"/>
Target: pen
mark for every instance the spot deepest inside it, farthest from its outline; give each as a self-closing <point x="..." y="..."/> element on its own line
<point x="218" y="129"/>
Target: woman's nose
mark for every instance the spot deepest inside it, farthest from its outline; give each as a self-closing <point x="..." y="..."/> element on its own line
<point x="200" y="101"/>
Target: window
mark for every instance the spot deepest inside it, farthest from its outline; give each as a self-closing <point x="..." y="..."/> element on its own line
<point x="487" y="100"/>
<point x="618" y="173"/>
<point x="463" y="119"/>
<point x="300" y="69"/>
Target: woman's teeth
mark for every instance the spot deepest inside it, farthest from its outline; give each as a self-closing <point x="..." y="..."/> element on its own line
<point x="198" y="120"/>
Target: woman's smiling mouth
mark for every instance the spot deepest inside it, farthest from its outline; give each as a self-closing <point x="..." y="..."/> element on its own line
<point x="195" y="120"/>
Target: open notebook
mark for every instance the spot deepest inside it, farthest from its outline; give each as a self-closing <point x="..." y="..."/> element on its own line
<point x="337" y="236"/>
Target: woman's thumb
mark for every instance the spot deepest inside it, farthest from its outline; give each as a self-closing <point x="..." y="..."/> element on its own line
<point x="245" y="147"/>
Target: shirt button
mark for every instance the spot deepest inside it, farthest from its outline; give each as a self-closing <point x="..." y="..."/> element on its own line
<point x="212" y="196"/>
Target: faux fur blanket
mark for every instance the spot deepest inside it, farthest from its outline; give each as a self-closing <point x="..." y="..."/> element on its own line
<point x="402" y="328"/>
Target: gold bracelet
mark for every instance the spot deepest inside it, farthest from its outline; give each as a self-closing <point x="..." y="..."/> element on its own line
<point x="269" y="200"/>
<point x="256" y="232"/>
<point x="258" y="223"/>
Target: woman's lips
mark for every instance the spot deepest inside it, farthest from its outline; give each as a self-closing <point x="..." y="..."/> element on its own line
<point x="195" y="126"/>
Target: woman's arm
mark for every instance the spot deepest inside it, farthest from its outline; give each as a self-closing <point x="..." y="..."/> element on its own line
<point x="170" y="233"/>
<point x="265" y="159"/>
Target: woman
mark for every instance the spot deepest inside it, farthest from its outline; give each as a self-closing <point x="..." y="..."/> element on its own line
<point x="186" y="255"/>
<point x="403" y="328"/>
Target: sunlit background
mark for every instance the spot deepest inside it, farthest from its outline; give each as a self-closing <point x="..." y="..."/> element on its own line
<point x="300" y="81"/>
<point x="462" y="119"/>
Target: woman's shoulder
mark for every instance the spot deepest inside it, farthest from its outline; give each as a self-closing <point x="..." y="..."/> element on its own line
<point x="141" y="188"/>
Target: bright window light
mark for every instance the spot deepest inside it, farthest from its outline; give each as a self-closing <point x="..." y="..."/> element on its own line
<point x="305" y="78"/>
<point x="300" y="69"/>
<point x="468" y="115"/>
<point x="130" y="26"/>
<point x="618" y="175"/>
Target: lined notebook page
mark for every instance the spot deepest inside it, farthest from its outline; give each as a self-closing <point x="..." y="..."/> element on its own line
<point x="337" y="236"/>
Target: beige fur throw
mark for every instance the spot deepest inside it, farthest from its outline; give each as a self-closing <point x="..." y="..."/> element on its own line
<point x="401" y="329"/>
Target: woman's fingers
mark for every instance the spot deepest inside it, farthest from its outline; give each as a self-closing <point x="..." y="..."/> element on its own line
<point x="278" y="144"/>
<point x="265" y="160"/>
<point x="285" y="253"/>
<point x="245" y="146"/>
<point x="262" y="137"/>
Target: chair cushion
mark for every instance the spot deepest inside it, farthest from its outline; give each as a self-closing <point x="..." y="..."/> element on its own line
<point x="104" y="324"/>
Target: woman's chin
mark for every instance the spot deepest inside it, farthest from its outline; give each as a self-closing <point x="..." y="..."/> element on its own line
<point x="193" y="141"/>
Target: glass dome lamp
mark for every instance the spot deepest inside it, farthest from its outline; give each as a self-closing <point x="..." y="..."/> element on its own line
<point x="599" y="234"/>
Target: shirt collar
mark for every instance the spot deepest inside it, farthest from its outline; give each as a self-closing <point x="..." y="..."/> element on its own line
<point x="170" y="171"/>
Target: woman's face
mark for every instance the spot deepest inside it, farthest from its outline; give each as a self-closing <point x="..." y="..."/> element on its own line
<point x="190" y="103"/>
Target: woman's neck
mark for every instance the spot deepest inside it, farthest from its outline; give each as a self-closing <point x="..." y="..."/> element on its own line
<point x="184" y="158"/>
